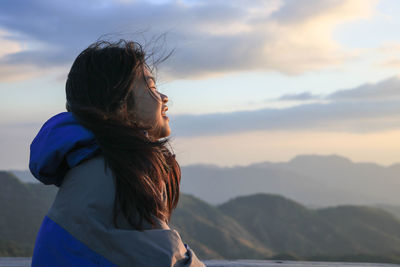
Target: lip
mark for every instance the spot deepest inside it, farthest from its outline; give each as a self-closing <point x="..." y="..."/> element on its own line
<point x="165" y="117"/>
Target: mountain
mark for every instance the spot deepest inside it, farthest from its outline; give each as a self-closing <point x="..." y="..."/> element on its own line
<point x="379" y="183"/>
<point x="259" y="226"/>
<point x="280" y="223"/>
<point x="288" y="227"/>
<point x="217" y="185"/>
<point x="213" y="234"/>
<point x="366" y="229"/>
<point x="208" y="231"/>
<point x="22" y="208"/>
<point x="393" y="209"/>
<point x="312" y="180"/>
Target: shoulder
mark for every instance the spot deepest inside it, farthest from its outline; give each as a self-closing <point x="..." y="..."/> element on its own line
<point x="91" y="171"/>
<point x="88" y="194"/>
<point x="88" y="183"/>
<point x="84" y="208"/>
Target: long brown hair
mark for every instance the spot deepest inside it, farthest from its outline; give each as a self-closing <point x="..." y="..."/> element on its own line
<point x="99" y="92"/>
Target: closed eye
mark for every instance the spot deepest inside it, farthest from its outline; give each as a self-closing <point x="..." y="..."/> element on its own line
<point x="154" y="89"/>
<point x="155" y="93"/>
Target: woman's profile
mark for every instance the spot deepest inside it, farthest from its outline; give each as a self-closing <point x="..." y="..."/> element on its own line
<point x="118" y="181"/>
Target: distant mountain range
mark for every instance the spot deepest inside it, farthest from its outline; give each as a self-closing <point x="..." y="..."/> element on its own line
<point x="259" y="226"/>
<point x="317" y="181"/>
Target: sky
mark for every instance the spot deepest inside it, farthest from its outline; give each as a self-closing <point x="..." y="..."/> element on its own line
<point x="248" y="81"/>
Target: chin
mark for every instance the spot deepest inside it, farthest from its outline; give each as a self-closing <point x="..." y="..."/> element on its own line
<point x="162" y="132"/>
<point x="165" y="132"/>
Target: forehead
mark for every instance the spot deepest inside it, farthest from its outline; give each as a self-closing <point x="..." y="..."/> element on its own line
<point x="145" y="82"/>
<point x="148" y="76"/>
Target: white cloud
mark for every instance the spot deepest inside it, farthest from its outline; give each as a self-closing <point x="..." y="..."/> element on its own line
<point x="367" y="108"/>
<point x="11" y="73"/>
<point x="8" y="46"/>
<point x="210" y="37"/>
<point x="299" y="97"/>
<point x="389" y="55"/>
<point x="391" y="63"/>
<point x="386" y="90"/>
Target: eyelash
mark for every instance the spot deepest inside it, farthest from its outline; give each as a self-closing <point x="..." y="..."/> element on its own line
<point x="154" y="91"/>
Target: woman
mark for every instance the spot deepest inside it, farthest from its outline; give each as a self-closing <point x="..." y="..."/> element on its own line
<point x="119" y="183"/>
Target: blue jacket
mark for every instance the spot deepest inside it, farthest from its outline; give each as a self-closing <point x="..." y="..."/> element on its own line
<point x="78" y="230"/>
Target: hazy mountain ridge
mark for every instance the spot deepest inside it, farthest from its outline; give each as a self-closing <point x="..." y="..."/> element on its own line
<point x="258" y="226"/>
<point x="308" y="179"/>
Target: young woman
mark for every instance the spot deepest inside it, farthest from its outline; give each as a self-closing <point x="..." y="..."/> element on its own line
<point x="118" y="181"/>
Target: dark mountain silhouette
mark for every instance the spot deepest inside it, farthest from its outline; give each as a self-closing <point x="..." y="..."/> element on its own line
<point x="213" y="234"/>
<point x="288" y="227"/>
<point x="280" y="223"/>
<point x="260" y="226"/>
<point x="22" y="208"/>
<point x="393" y="209"/>
<point x="366" y="229"/>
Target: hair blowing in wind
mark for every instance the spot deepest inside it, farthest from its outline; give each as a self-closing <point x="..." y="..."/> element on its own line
<point x="100" y="94"/>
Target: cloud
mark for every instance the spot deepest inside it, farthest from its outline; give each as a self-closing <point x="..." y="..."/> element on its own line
<point x="209" y="37"/>
<point x="390" y="53"/>
<point x="307" y="11"/>
<point x="298" y="97"/>
<point x="8" y="46"/>
<point x="386" y="90"/>
<point x="365" y="109"/>
<point x="13" y="73"/>
<point x="393" y="63"/>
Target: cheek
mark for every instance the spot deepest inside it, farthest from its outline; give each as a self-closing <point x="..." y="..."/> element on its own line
<point x="147" y="111"/>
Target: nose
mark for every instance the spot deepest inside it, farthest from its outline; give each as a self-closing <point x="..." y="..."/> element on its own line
<point x="164" y="98"/>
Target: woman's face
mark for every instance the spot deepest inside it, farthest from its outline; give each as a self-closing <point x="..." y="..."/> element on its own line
<point x="150" y="107"/>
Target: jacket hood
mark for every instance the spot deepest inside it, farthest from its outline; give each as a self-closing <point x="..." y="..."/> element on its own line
<point x="61" y="144"/>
